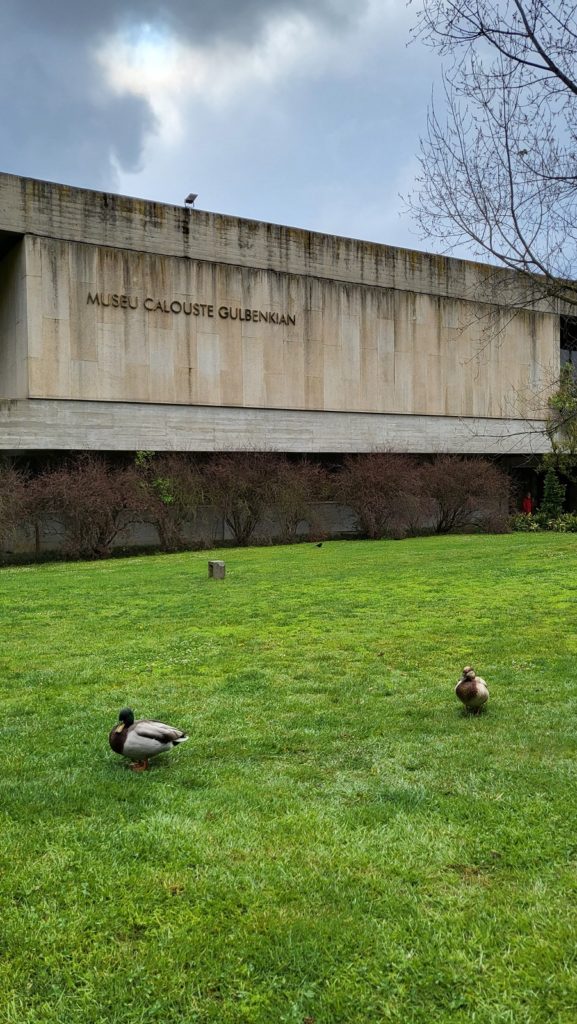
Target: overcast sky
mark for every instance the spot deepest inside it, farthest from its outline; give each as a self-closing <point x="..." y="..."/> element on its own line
<point x="301" y="112"/>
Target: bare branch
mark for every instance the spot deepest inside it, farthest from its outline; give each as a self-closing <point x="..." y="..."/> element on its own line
<point x="499" y="164"/>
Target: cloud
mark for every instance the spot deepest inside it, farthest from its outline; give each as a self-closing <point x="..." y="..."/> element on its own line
<point x="78" y="113"/>
<point x="178" y="75"/>
<point x="175" y="77"/>
<point x="298" y="125"/>
<point x="194" y="19"/>
<point x="60" y="123"/>
<point x="294" y="111"/>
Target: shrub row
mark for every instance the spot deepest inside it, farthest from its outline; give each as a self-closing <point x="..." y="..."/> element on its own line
<point x="566" y="522"/>
<point x="96" y="501"/>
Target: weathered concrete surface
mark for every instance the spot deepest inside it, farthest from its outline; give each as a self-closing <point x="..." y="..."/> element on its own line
<point x="105" y="325"/>
<point x="152" y="326"/>
<point x="49" y="210"/>
<point x="119" y="426"/>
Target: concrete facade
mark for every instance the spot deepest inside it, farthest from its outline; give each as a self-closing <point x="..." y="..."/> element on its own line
<point x="132" y="325"/>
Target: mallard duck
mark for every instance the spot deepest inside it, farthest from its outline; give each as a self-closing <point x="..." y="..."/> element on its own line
<point x="143" y="739"/>
<point x="472" y="690"/>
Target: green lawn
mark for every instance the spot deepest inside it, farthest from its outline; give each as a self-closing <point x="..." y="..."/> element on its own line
<point x="337" y="841"/>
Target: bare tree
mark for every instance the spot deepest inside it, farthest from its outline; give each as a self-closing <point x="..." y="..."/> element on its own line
<point x="296" y="486"/>
<point x="241" y="486"/>
<point x="460" y="492"/>
<point x="95" y="503"/>
<point x="174" y="483"/>
<point x="383" y="490"/>
<point x="499" y="164"/>
<point x="13" y="500"/>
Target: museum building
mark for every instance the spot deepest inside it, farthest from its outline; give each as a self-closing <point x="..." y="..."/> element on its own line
<point x="129" y="325"/>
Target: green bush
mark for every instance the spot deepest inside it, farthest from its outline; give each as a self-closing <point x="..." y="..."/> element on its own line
<point x="522" y="523"/>
<point x="553" y="496"/>
<point x="564" y="523"/>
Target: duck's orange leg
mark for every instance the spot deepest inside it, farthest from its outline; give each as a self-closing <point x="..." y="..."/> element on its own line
<point x="139" y="766"/>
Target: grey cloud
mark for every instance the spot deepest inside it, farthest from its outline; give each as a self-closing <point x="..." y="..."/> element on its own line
<point x="58" y="119"/>
<point x="196" y="19"/>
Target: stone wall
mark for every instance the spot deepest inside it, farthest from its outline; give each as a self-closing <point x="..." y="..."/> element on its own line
<point x="328" y="519"/>
<point x="110" y="325"/>
<point x="126" y="324"/>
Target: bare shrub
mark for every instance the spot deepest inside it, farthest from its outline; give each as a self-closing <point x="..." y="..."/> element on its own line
<point x="13" y="500"/>
<point x="175" y="485"/>
<point x="382" y="489"/>
<point x="241" y="486"/>
<point x="94" y="501"/>
<point x="460" y="492"/>
<point x="296" y="486"/>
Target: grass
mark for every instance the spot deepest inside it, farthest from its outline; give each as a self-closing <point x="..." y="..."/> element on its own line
<point x="338" y="841"/>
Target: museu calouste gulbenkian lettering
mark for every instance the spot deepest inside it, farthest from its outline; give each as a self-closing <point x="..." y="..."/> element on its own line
<point x="127" y="324"/>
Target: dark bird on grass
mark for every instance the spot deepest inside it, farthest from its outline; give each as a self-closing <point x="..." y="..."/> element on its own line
<point x="143" y="739"/>
<point x="472" y="690"/>
<point x="320" y="544"/>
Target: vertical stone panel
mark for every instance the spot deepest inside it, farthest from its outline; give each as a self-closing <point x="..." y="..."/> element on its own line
<point x="13" y="324"/>
<point x="111" y="325"/>
<point x="208" y="368"/>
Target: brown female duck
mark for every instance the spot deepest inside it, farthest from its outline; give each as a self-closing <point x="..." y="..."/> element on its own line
<point x="472" y="690"/>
